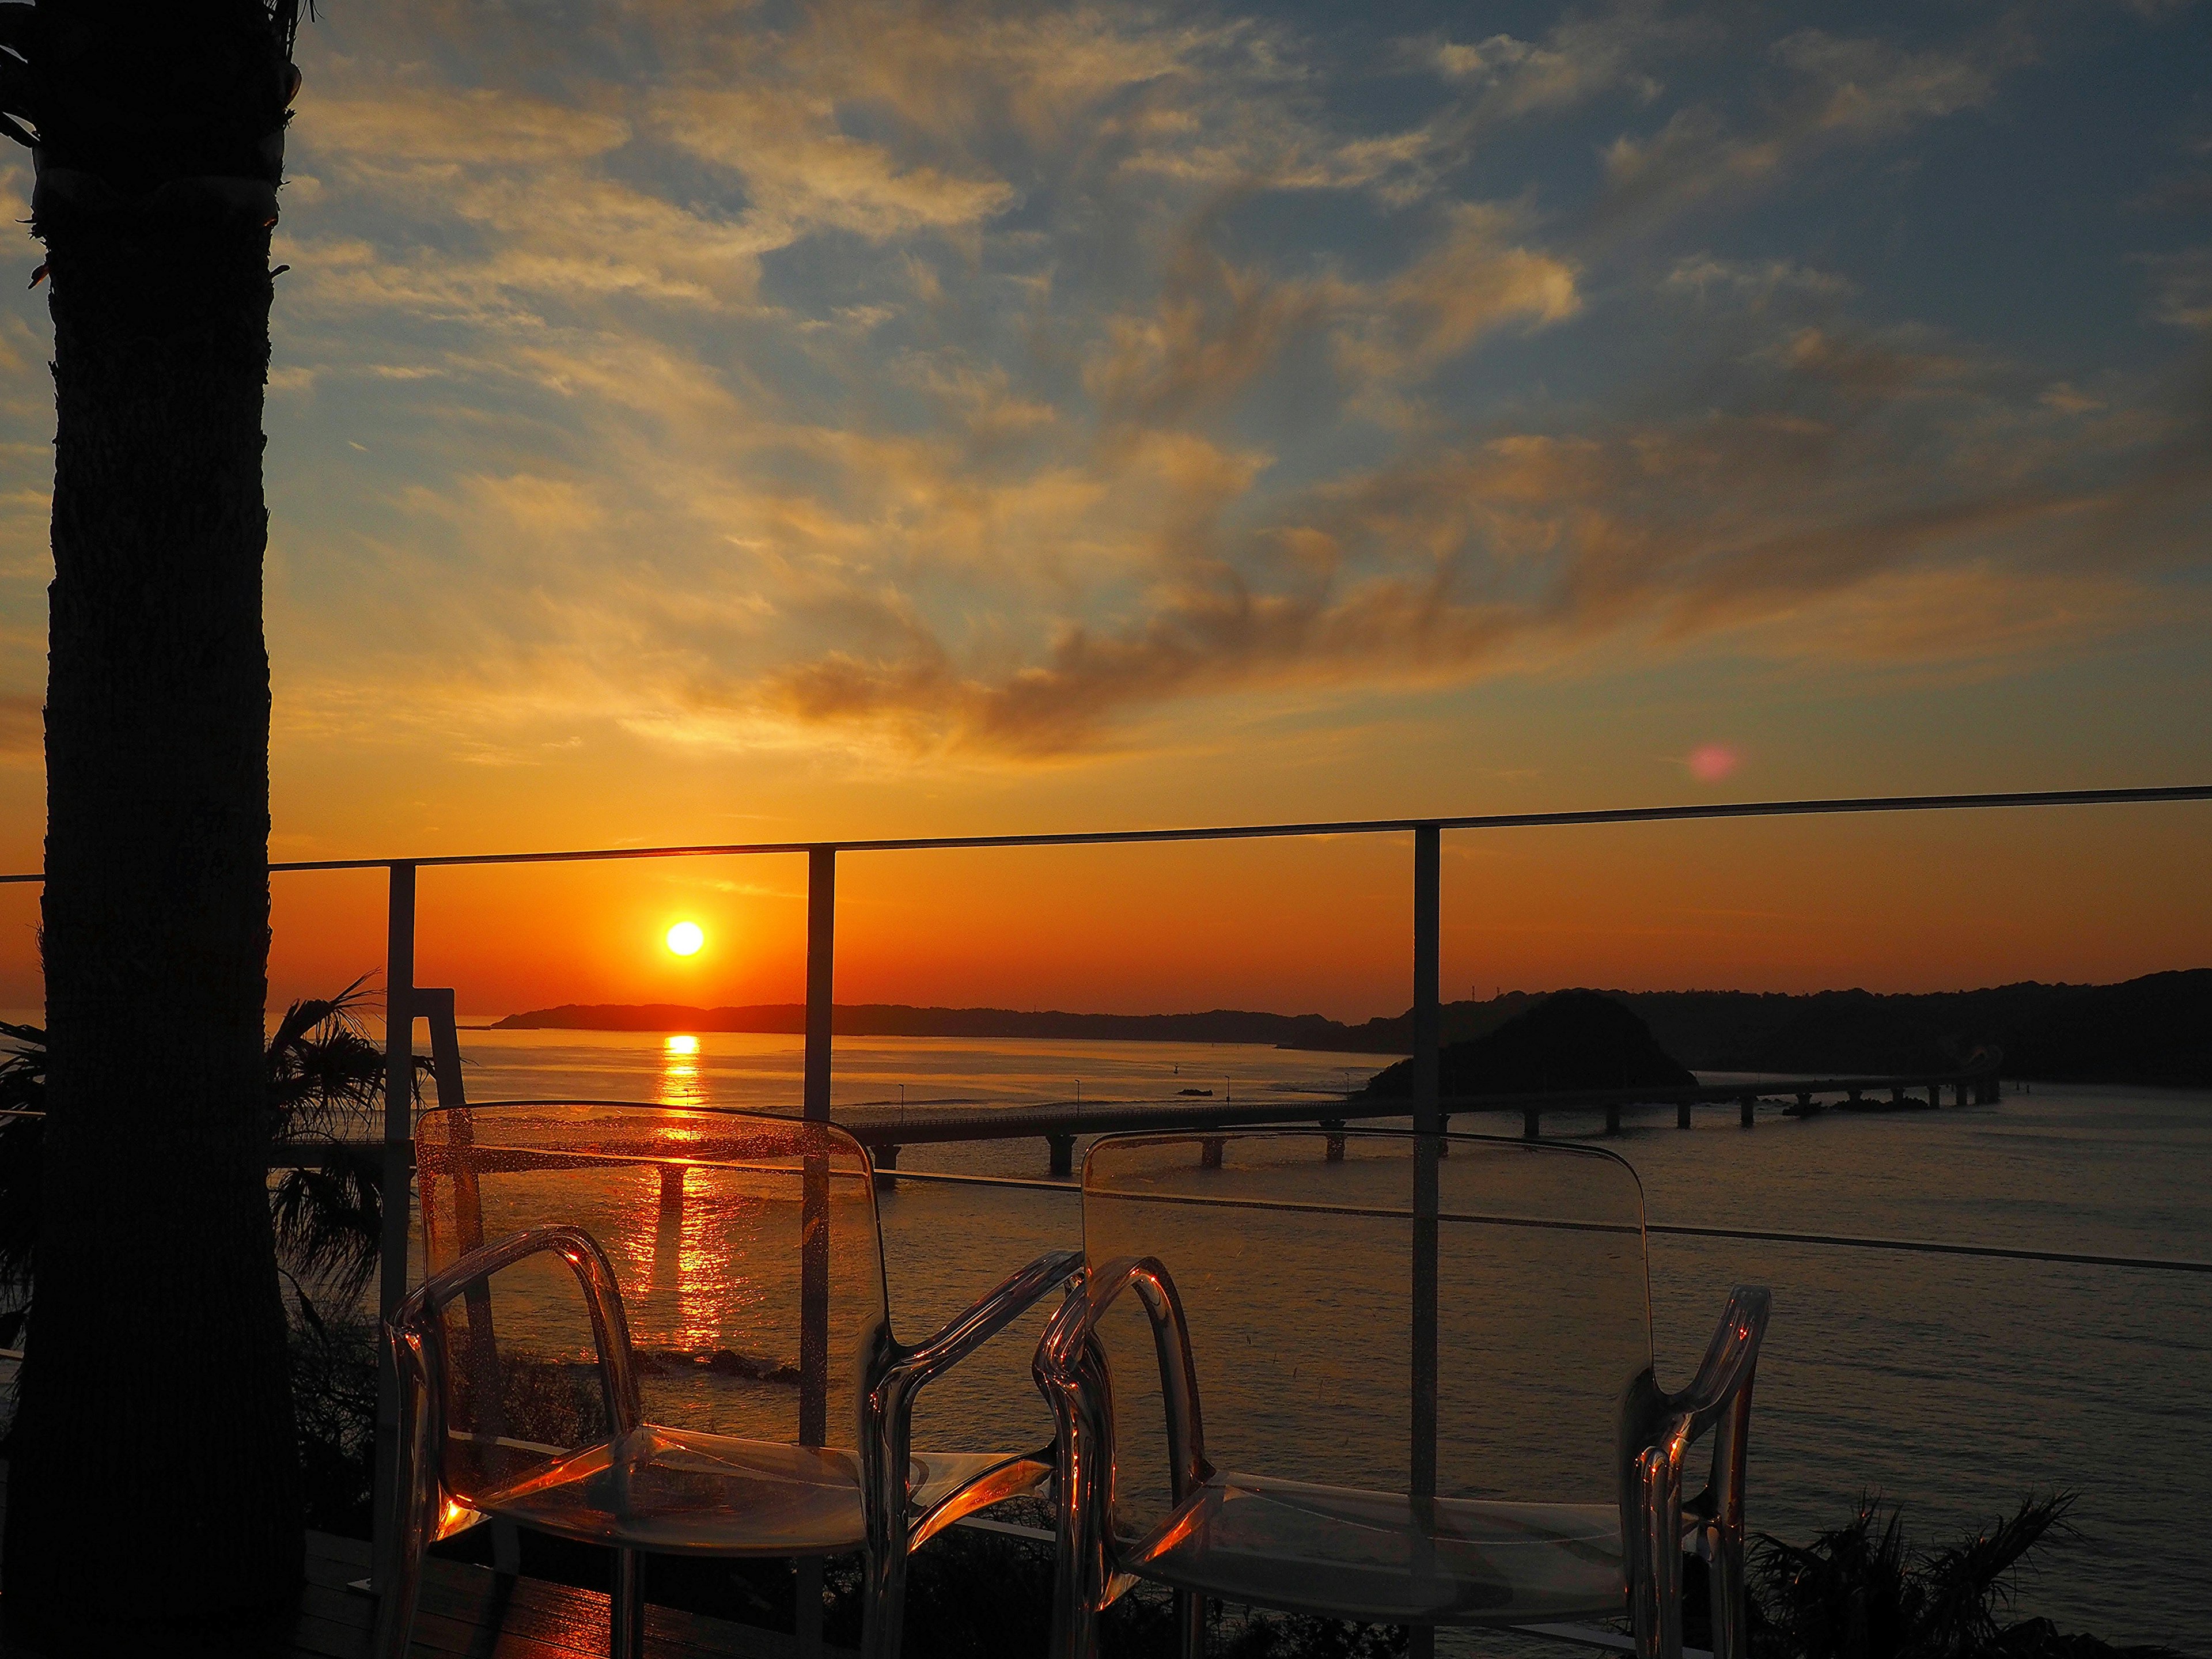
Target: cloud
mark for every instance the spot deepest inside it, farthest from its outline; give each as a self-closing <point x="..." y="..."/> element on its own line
<point x="1757" y="283"/>
<point x="455" y="132"/>
<point x="2180" y="287"/>
<point x="1835" y="92"/>
<point x="805" y="174"/>
<point x="1771" y="535"/>
<point x="22" y="730"/>
<point x="902" y="381"/>
<point x="1580" y="58"/>
<point x="1216" y="328"/>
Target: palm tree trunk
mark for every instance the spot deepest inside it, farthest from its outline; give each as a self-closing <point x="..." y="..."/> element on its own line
<point x="155" y="1474"/>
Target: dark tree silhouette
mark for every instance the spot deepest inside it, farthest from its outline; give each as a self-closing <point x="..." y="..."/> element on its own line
<point x="153" y="1400"/>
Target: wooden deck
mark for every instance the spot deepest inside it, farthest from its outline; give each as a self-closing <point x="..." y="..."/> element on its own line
<point x="473" y="1612"/>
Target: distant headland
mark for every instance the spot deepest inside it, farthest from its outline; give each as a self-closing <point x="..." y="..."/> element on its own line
<point x="897" y="1019"/>
<point x="2156" y="1029"/>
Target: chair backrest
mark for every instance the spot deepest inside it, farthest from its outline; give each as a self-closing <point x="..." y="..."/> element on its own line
<point x="1293" y="1254"/>
<point x="706" y="1217"/>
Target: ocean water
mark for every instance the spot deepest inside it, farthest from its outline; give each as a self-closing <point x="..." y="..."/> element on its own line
<point x="1952" y="1386"/>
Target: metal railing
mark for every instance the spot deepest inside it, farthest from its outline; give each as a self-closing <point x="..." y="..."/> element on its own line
<point x="405" y="1003"/>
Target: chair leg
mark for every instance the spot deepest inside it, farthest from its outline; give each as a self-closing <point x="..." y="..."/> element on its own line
<point x="626" y="1632"/>
<point x="883" y="1614"/>
<point x="395" y="1604"/>
<point x="1656" y="1580"/>
<point x="1190" y="1623"/>
<point x="414" y="1511"/>
<point x="1730" y="1612"/>
<point x="1074" y="1612"/>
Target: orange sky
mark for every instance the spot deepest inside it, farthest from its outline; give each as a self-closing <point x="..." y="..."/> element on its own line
<point x="1935" y="903"/>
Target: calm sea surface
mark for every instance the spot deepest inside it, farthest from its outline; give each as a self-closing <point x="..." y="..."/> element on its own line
<point x="1952" y="1386"/>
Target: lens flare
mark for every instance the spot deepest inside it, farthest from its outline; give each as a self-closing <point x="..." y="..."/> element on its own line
<point x="1711" y="761"/>
<point x="685" y="938"/>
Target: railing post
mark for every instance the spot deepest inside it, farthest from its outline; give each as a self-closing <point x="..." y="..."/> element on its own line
<point x="814" y="1250"/>
<point x="1428" y="906"/>
<point x="396" y="1198"/>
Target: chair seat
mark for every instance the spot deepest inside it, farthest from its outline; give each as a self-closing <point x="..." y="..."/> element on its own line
<point x="676" y="1491"/>
<point x="1376" y="1556"/>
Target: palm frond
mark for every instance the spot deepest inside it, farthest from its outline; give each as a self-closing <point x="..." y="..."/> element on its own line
<point x="328" y="1225"/>
<point x="1965" y="1584"/>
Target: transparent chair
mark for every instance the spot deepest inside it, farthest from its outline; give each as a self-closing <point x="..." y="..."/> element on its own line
<point x="676" y="1343"/>
<point x="1415" y="1422"/>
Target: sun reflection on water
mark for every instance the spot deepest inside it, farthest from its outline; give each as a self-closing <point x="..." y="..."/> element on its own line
<point x="679" y="1083"/>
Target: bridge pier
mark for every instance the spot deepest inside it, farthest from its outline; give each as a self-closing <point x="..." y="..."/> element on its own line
<point x="668" y="1234"/>
<point x="885" y="1159"/>
<point x="1681" y="1114"/>
<point x="1746" y="1108"/>
<point x="1063" y="1156"/>
<point x="672" y="1195"/>
<point x="1209" y="1152"/>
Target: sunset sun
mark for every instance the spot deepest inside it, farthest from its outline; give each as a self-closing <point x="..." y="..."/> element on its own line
<point x="685" y="938"/>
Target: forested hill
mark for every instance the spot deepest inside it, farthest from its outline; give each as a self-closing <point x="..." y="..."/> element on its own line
<point x="2156" y="1029"/>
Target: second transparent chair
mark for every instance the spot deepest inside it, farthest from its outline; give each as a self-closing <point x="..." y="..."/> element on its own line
<point x="675" y="1341"/>
<point x="1428" y="1385"/>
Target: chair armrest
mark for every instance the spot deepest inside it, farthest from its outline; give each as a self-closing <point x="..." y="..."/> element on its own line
<point x="1068" y="1366"/>
<point x="964" y="1332"/>
<point x="416" y="1324"/>
<point x="1719" y="1399"/>
<point x="1731" y="1358"/>
<point x="897" y="1375"/>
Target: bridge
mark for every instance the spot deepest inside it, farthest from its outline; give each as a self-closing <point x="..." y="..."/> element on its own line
<point x="884" y="1128"/>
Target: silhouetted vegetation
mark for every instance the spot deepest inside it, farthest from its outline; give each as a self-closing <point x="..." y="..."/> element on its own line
<point x="1571" y="1040"/>
<point x="1860" y="1592"/>
<point x="325" y="1081"/>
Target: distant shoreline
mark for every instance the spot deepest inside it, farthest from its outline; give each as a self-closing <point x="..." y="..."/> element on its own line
<point x="899" y="1019"/>
<point x="2156" y="1029"/>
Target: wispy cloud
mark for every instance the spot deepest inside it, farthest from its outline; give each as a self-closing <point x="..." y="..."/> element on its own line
<point x="1829" y="92"/>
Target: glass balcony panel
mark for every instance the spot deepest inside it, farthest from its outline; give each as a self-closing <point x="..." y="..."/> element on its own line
<point x="1295" y="1269"/>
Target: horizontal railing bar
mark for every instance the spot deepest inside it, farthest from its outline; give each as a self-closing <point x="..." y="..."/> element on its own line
<point x="2077" y="1258"/>
<point x="288" y="1157"/>
<point x="1930" y="1247"/>
<point x="1764" y="809"/>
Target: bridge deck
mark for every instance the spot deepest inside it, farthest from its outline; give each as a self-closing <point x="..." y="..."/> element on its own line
<point x="888" y="1125"/>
